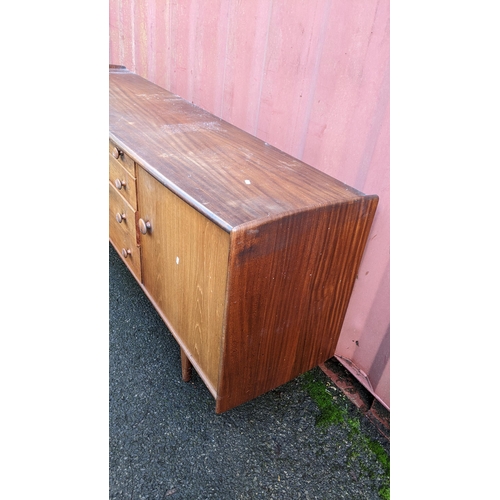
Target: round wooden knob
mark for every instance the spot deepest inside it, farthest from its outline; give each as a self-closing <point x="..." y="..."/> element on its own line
<point x="144" y="226"/>
<point x="116" y="153"/>
<point x="126" y="252"/>
<point x="119" y="184"/>
<point x="121" y="217"/>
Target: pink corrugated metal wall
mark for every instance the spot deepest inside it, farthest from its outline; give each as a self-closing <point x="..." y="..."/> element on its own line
<point x="309" y="77"/>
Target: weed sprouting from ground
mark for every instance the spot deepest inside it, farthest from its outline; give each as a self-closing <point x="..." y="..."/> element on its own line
<point x="335" y="412"/>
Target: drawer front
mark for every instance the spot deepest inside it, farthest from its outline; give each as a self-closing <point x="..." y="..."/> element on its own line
<point x="123" y="159"/>
<point x="123" y="234"/>
<point x="123" y="181"/>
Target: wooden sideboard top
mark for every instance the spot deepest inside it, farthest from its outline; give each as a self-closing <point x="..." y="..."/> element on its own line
<point x="230" y="176"/>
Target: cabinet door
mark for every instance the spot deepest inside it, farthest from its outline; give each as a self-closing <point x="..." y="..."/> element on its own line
<point x="184" y="269"/>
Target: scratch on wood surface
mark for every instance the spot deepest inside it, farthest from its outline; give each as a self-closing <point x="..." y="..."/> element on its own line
<point x="182" y="128"/>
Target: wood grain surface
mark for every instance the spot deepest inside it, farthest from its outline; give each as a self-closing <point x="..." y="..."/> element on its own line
<point x="290" y="281"/>
<point x="118" y="173"/>
<point x="250" y="256"/>
<point x="225" y="173"/>
<point x="123" y="235"/>
<point x="184" y="269"/>
<point x="124" y="160"/>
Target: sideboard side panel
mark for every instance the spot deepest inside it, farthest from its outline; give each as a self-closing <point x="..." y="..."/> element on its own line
<point x="289" y="284"/>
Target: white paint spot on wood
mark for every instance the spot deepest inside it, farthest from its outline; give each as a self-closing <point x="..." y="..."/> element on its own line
<point x="177" y="260"/>
<point x="247" y="181"/>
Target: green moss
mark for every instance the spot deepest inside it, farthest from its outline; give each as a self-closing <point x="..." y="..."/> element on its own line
<point x="329" y="413"/>
<point x="381" y="454"/>
<point x="354" y="426"/>
<point x="384" y="493"/>
<point x="332" y="413"/>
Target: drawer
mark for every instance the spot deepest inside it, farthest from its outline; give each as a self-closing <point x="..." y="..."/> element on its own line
<point x="123" y="234"/>
<point x="122" y="158"/>
<point x="124" y="181"/>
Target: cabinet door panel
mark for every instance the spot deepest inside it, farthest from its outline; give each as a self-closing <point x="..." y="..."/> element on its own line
<point x="184" y="268"/>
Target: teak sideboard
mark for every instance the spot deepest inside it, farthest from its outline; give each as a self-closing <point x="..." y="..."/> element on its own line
<point x="248" y="254"/>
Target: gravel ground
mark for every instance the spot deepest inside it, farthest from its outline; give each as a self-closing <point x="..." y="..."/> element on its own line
<point x="166" y="442"/>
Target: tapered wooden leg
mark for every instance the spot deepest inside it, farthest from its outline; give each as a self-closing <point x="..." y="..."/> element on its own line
<point x="186" y="367"/>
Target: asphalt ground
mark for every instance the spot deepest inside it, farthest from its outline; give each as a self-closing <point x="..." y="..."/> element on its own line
<point x="167" y="442"/>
